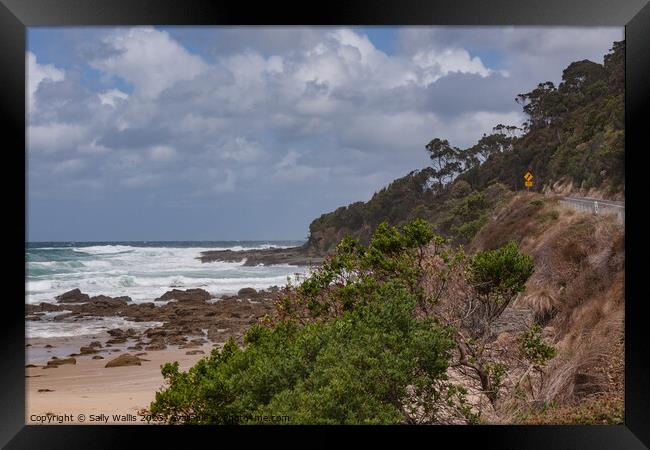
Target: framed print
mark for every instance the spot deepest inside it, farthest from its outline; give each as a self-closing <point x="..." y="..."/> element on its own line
<point x="366" y="213"/>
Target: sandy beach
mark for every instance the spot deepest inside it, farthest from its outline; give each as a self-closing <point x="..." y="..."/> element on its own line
<point x="89" y="393"/>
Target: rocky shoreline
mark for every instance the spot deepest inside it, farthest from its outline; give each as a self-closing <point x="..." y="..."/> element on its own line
<point x="295" y="256"/>
<point x="190" y="319"/>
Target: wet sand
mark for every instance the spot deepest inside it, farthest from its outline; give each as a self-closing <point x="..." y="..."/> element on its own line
<point x="88" y="388"/>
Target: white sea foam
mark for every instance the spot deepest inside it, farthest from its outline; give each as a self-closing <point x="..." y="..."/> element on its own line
<point x="104" y="249"/>
<point x="145" y="273"/>
<point x="43" y="329"/>
<point x="142" y="273"/>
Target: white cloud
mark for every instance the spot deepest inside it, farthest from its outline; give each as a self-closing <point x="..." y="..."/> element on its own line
<point x="36" y="73"/>
<point x="55" y="137"/>
<point x="149" y="59"/>
<point x="436" y="64"/>
<point x="112" y="97"/>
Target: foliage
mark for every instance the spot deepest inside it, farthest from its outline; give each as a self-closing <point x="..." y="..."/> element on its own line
<point x="534" y="349"/>
<point x="601" y="410"/>
<point x="447" y="161"/>
<point x="498" y="275"/>
<point x="574" y="131"/>
<point x="346" y="346"/>
<point x="407" y="198"/>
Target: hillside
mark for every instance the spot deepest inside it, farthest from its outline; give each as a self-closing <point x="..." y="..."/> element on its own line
<point x="451" y="296"/>
<point x="573" y="142"/>
<point x="525" y="325"/>
<point x="576" y="294"/>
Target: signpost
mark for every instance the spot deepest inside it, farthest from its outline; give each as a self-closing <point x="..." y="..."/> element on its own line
<point x="528" y="179"/>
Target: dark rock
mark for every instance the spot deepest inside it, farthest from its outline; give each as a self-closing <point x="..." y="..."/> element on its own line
<point x="97" y="357"/>
<point x="195" y="352"/>
<point x="176" y="340"/>
<point x="296" y="256"/>
<point x="194" y="295"/>
<point x="247" y="292"/>
<point x="156" y="346"/>
<point x="104" y="298"/>
<point x="102" y="301"/>
<point x="73" y="296"/>
<point x="60" y="361"/>
<point x="62" y="317"/>
<point x="124" y="360"/>
<point x="88" y="350"/>
<point x="189" y="346"/>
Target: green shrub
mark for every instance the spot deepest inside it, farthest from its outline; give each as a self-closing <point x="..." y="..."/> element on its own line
<point x="466" y="231"/>
<point x="534" y="349"/>
<point x="347" y="347"/>
<point x="500" y="274"/>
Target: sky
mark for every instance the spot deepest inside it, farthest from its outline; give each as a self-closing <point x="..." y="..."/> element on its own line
<point x="238" y="133"/>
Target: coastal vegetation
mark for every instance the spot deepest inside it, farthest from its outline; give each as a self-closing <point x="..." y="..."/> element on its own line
<point x="449" y="297"/>
<point x="359" y="341"/>
<point x="574" y="135"/>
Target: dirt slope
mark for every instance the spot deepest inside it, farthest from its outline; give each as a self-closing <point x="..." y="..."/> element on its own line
<point x="577" y="294"/>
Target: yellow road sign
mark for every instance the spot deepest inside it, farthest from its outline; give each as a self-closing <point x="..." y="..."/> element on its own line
<point x="528" y="183"/>
<point x="528" y="176"/>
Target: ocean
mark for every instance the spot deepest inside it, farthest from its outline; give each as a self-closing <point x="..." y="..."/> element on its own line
<point x="140" y="270"/>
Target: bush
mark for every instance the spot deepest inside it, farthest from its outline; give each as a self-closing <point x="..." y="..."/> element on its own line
<point x="534" y="349"/>
<point x="501" y="273"/>
<point x="346" y="347"/>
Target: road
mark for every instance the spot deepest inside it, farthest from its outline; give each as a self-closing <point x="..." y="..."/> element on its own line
<point x="595" y="206"/>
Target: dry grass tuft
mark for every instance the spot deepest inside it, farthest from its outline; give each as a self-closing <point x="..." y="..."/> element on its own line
<point x="577" y="293"/>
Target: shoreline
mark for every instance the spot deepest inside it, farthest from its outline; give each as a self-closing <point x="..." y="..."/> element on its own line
<point x="99" y="393"/>
<point x="67" y="376"/>
<point x="293" y="256"/>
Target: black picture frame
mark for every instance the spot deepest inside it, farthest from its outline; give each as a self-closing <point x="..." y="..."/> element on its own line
<point x="16" y="15"/>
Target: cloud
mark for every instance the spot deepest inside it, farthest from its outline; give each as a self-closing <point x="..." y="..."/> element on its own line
<point x="55" y="137"/>
<point x="290" y="170"/>
<point x="241" y="150"/>
<point x="111" y="97"/>
<point x="68" y="166"/>
<point x="162" y="153"/>
<point x="289" y="121"/>
<point x="37" y="73"/>
<point x="435" y="64"/>
<point x="149" y="59"/>
<point x="143" y="180"/>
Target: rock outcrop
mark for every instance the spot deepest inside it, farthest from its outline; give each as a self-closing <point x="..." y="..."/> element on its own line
<point x="124" y="360"/>
<point x="73" y="296"/>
